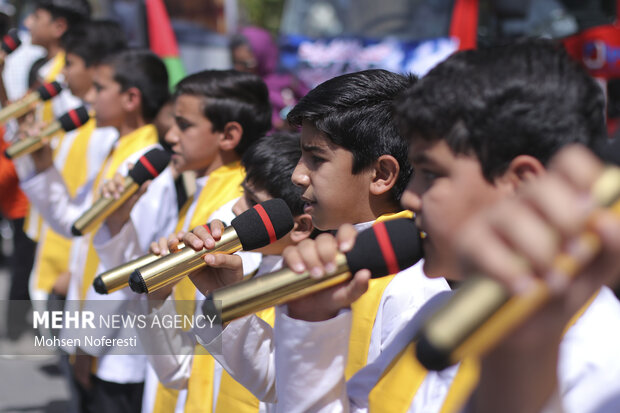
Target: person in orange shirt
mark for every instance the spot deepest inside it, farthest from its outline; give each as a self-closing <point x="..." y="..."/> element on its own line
<point x="14" y="206"/>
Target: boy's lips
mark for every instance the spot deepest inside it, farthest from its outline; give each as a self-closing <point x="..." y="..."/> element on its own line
<point x="308" y="204"/>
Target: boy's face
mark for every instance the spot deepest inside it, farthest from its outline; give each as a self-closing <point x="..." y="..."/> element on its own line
<point x="333" y="195"/>
<point x="444" y="191"/>
<point x="253" y="195"/>
<point x="42" y="27"/>
<point x="107" y="101"/>
<point x="79" y="78"/>
<point x="194" y="143"/>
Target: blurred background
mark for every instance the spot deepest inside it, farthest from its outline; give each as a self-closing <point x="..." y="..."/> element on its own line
<point x="295" y="45"/>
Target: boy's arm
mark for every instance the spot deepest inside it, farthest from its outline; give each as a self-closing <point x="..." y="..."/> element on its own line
<point x="548" y="217"/>
<point x="310" y="359"/>
<point x="245" y="349"/>
<point x="312" y="333"/>
<point x="169" y="350"/>
<point x="48" y="193"/>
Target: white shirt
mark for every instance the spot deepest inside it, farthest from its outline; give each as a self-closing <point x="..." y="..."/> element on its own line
<point x="588" y="360"/>
<point x="170" y="351"/>
<point x="252" y="348"/>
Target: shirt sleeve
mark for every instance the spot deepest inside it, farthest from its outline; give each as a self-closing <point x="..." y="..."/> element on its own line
<point x="245" y="349"/>
<point x="310" y="363"/>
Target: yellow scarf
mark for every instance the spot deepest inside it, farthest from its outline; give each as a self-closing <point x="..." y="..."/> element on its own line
<point x="127" y="146"/>
<point x="223" y="185"/>
<point x="33" y="221"/>
<point x="234" y="397"/>
<point x="395" y="390"/>
<point x="53" y="250"/>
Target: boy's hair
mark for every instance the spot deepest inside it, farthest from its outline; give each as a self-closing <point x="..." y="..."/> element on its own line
<point x="528" y="98"/>
<point x="269" y="165"/>
<point x="73" y="11"/>
<point x="231" y="96"/>
<point x="93" y="41"/>
<point x="355" y="111"/>
<point x="145" y="71"/>
<point x="33" y="74"/>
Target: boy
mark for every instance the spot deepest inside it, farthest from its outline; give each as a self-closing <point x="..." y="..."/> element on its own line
<point x="129" y="88"/>
<point x="218" y="114"/>
<point x="269" y="164"/>
<point x="81" y="152"/>
<point x="508" y="111"/>
<point x="353" y="170"/>
<point x="47" y="25"/>
<point x="49" y="22"/>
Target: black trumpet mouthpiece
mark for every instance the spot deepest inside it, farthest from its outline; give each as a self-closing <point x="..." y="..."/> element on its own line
<point x="263" y="224"/>
<point x="74" y="119"/>
<point x="386" y="248"/>
<point x="99" y="286"/>
<point x="49" y="90"/>
<point x="150" y="165"/>
<point x="136" y="283"/>
<point x="10" y="41"/>
<point x="76" y="232"/>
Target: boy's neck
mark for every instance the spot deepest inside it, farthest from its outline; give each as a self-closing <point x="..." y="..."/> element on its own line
<point x="53" y="49"/>
<point x="380" y="206"/>
<point x="130" y="124"/>
<point x="223" y="158"/>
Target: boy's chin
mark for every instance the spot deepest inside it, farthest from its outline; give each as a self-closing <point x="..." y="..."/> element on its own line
<point x="433" y="269"/>
<point x="322" y="224"/>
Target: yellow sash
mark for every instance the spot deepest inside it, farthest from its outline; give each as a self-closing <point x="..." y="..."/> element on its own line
<point x="58" y="63"/>
<point x="394" y="392"/>
<point x="364" y="312"/>
<point x="232" y="396"/>
<point x="33" y="221"/>
<point x="53" y="250"/>
<point x="128" y="145"/>
<point x="223" y="185"/>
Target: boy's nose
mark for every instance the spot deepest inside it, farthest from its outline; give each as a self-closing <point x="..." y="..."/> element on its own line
<point x="89" y="97"/>
<point x="300" y="175"/>
<point x="411" y="200"/>
<point x="172" y="135"/>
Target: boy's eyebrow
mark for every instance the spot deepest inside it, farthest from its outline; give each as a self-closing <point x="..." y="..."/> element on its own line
<point x="312" y="148"/>
<point x="420" y="157"/>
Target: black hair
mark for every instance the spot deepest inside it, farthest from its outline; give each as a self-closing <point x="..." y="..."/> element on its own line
<point x="231" y="96"/>
<point x="33" y="73"/>
<point x="527" y="98"/>
<point x="269" y="165"/>
<point x="145" y="71"/>
<point x="238" y="40"/>
<point x="73" y="11"/>
<point x="356" y="111"/>
<point x="94" y="40"/>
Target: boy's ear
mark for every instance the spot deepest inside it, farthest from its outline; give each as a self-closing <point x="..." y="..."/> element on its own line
<point x="233" y="131"/>
<point x="522" y="169"/>
<point x="302" y="228"/>
<point x="59" y="27"/>
<point x="132" y="100"/>
<point x="386" y="170"/>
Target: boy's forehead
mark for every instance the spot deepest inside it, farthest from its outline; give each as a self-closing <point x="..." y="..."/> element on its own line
<point x="104" y="72"/>
<point x="312" y="138"/>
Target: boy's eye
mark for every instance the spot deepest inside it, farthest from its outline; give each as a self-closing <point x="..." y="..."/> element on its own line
<point x="428" y="176"/>
<point x="183" y="124"/>
<point x="317" y="159"/>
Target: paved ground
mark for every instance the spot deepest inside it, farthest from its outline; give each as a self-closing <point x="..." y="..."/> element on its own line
<point x="29" y="384"/>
